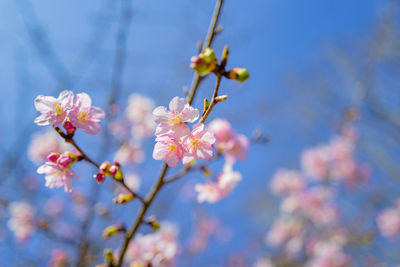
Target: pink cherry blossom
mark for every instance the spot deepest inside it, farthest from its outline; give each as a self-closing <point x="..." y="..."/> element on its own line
<point x="389" y="223"/>
<point x="139" y="107"/>
<point x="54" y="110"/>
<point x="59" y="258"/>
<point x="57" y="176"/>
<point x="212" y="192"/>
<point x="228" y="178"/>
<point x="179" y="113"/>
<point x="22" y="219"/>
<point x="85" y="116"/>
<point x="208" y="192"/>
<point x="198" y="144"/>
<point x="168" y="148"/>
<point x="283" y="230"/>
<point x="157" y="249"/>
<point x="286" y="182"/>
<point x="233" y="146"/>
<point x="129" y="152"/>
<point x="42" y="144"/>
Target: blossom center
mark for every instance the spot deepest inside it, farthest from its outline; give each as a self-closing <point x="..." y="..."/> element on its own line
<point x="59" y="110"/>
<point x="83" y="116"/>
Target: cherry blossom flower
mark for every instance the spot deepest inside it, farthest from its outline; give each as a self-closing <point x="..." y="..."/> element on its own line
<point x="54" y="110"/>
<point x="85" y="116"/>
<point x="129" y="152"/>
<point x="212" y="192"/>
<point x="179" y="113"/>
<point x="139" y="107"/>
<point x="168" y="148"/>
<point x="139" y="115"/>
<point x="198" y="144"/>
<point x="42" y="144"/>
<point x="22" y="219"/>
<point x="233" y="146"/>
<point x="286" y="182"/>
<point x="389" y="223"/>
<point x="283" y="230"/>
<point x="209" y="192"/>
<point x="157" y="249"/>
<point x="57" y="175"/>
<point x="228" y="178"/>
<point x="59" y="258"/>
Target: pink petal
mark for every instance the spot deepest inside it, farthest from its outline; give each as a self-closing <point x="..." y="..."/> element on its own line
<point x="177" y="104"/>
<point x="160" y="114"/>
<point x="83" y="101"/>
<point x="97" y="114"/>
<point x="43" y="120"/>
<point x="45" y="104"/>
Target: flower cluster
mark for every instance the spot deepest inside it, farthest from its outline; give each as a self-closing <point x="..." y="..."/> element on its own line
<point x="175" y="141"/>
<point x="309" y="220"/>
<point x="155" y="249"/>
<point x="22" y="219"/>
<point x="335" y="161"/>
<point x="388" y="222"/>
<point x="212" y="192"/>
<point x="232" y="145"/>
<point x="106" y="168"/>
<point x="43" y="144"/>
<point x="72" y="111"/>
<point x="206" y="63"/>
<point x="58" y="171"/>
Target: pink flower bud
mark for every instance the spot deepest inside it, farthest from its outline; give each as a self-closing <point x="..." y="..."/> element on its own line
<point x="64" y="160"/>
<point x="113" y="170"/>
<point x="116" y="163"/>
<point x="53" y="157"/>
<point x="69" y="127"/>
<point x="100" y="177"/>
<point x="104" y="166"/>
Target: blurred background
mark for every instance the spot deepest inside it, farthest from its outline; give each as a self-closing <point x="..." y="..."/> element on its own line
<point x="315" y="66"/>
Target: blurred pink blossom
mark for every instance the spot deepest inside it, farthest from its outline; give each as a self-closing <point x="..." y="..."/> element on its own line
<point x="42" y="144"/>
<point x="59" y="258"/>
<point x="21" y="221"/>
<point x="129" y="152"/>
<point x="287" y="182"/>
<point x="157" y="249"/>
<point x="230" y="144"/>
<point x="389" y="223"/>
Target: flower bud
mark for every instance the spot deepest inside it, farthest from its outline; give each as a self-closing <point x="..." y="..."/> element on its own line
<point x="198" y="64"/>
<point x="104" y="166"/>
<point x="154" y="223"/>
<point x="64" y="160"/>
<point x="113" y="170"/>
<point x="69" y="127"/>
<point x="208" y="55"/>
<point x="108" y="256"/>
<point x="221" y="98"/>
<point x="113" y="230"/>
<point x="238" y="74"/>
<point x="100" y="177"/>
<point x="53" y="157"/>
<point x="123" y="198"/>
<point x="205" y="62"/>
